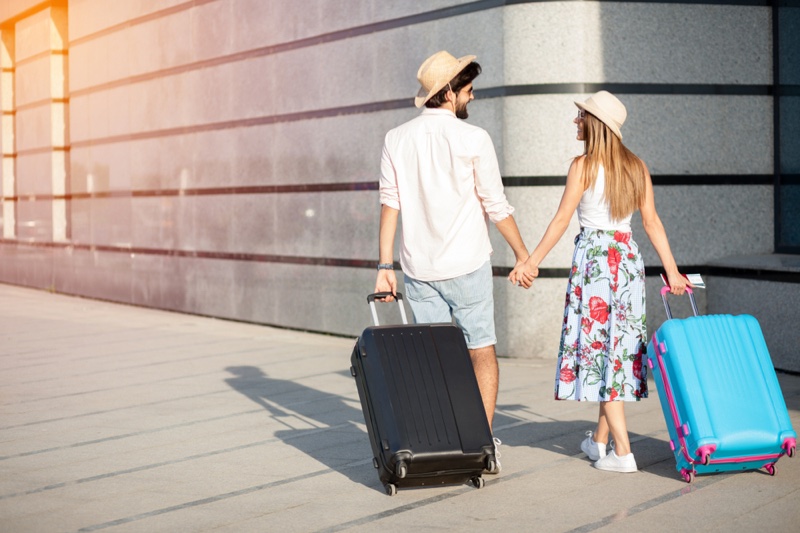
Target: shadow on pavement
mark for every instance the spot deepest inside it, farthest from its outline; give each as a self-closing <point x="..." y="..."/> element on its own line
<point x="319" y="424"/>
<point x="564" y="437"/>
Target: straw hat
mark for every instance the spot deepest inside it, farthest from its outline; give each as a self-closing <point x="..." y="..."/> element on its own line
<point x="606" y="107"/>
<point x="436" y="72"/>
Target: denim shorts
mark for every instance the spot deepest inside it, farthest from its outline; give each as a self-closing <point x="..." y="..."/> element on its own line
<point x="468" y="300"/>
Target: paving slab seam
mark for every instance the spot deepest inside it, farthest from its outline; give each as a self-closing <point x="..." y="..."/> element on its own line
<point x="110" y="389"/>
<point x="129" y="435"/>
<point x="114" y="335"/>
<point x="503" y="478"/>
<point x="84" y="335"/>
<point x="199" y="456"/>
<point x="181" y="346"/>
<point x="151" y="431"/>
<point x="142" y="468"/>
<point x="219" y="497"/>
<point x="118" y="369"/>
<point x="649" y="504"/>
<point x="175" y="378"/>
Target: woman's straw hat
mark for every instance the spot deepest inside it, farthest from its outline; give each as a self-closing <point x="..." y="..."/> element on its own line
<point x="436" y="72"/>
<point x="606" y="107"/>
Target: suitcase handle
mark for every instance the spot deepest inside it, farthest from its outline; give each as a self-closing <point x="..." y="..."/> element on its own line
<point x="371" y="300"/>
<point x="665" y="290"/>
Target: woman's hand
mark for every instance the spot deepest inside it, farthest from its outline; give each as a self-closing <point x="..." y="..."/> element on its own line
<point x="523" y="274"/>
<point x="677" y="283"/>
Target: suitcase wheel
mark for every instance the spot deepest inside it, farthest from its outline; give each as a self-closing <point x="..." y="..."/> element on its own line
<point x="770" y="468"/>
<point x="375" y="462"/>
<point x="491" y="465"/>
<point x="478" y="482"/>
<point x="790" y="452"/>
<point x="391" y="489"/>
<point x="353" y="371"/>
<point x="688" y="475"/>
<point x="401" y="469"/>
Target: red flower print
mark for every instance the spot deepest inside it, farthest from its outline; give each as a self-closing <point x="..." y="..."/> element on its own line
<point x="624" y="238"/>
<point x="597" y="345"/>
<point x="637" y="368"/>
<point x="631" y="256"/>
<point x="614" y="394"/>
<point x="586" y="324"/>
<point x="578" y="291"/>
<point x="567" y="375"/>
<point x="614" y="258"/>
<point x="617" y="365"/>
<point x="598" y="309"/>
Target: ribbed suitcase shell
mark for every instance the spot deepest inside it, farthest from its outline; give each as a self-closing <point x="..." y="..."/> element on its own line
<point x="720" y="396"/>
<point x="422" y="405"/>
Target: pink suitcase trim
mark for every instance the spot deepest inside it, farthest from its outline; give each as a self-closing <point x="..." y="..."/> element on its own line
<point x="704" y="452"/>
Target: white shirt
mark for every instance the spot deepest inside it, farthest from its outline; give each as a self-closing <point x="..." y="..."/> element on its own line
<point x="443" y="176"/>
<point x="594" y="212"/>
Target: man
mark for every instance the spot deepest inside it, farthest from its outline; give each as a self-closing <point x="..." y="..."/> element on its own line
<point x="443" y="174"/>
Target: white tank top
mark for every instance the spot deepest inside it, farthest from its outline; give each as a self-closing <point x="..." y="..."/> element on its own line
<point x="593" y="211"/>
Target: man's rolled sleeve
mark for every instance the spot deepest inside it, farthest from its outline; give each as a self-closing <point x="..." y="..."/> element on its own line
<point x="388" y="182"/>
<point x="488" y="181"/>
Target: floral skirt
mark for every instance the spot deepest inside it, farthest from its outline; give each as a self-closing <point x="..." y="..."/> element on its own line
<point x="604" y="335"/>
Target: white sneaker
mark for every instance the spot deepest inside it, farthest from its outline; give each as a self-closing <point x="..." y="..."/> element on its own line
<point x="593" y="450"/>
<point x="497" y="466"/>
<point x="614" y="463"/>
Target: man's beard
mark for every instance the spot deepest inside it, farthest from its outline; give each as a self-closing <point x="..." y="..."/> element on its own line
<point x="461" y="112"/>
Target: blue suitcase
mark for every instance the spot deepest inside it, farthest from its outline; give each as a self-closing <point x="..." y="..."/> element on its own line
<point x="720" y="396"/>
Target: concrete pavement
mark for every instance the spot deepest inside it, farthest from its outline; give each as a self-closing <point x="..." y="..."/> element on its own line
<point x="123" y="419"/>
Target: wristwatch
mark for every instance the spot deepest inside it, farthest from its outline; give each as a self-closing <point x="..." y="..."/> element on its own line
<point x="385" y="266"/>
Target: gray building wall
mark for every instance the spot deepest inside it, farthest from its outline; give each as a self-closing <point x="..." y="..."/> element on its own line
<point x="220" y="157"/>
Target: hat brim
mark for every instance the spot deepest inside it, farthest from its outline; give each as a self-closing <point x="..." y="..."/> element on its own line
<point x="604" y="118"/>
<point x="423" y="96"/>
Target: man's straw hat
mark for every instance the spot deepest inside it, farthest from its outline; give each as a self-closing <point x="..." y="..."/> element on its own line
<point x="436" y="72"/>
<point x="607" y="108"/>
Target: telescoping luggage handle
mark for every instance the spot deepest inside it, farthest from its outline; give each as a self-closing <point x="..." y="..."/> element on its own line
<point x="371" y="299"/>
<point x="665" y="290"/>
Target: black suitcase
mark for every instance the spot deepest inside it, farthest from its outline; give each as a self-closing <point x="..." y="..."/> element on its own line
<point x="422" y="405"/>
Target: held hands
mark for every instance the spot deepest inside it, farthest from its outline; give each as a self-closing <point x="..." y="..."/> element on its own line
<point x="523" y="274"/>
<point x="386" y="282"/>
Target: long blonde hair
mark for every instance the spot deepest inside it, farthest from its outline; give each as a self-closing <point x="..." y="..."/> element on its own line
<point x="624" y="172"/>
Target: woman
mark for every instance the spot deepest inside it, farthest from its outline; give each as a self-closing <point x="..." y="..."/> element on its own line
<point x="604" y="336"/>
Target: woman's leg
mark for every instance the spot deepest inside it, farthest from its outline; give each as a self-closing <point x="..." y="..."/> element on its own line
<point x="612" y="421"/>
<point x="601" y="433"/>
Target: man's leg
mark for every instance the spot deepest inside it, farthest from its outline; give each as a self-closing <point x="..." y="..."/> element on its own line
<point x="471" y="300"/>
<point x="484" y="361"/>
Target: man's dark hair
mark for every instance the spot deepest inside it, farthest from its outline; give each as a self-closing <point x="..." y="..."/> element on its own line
<point x="461" y="80"/>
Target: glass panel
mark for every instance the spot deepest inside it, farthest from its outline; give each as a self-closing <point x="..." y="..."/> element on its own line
<point x="789" y="45"/>
<point x="790" y="215"/>
<point x="788" y="190"/>
<point x="790" y="135"/>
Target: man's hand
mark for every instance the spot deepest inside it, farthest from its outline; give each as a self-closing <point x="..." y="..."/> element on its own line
<point x="523" y="274"/>
<point x="386" y="282"/>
